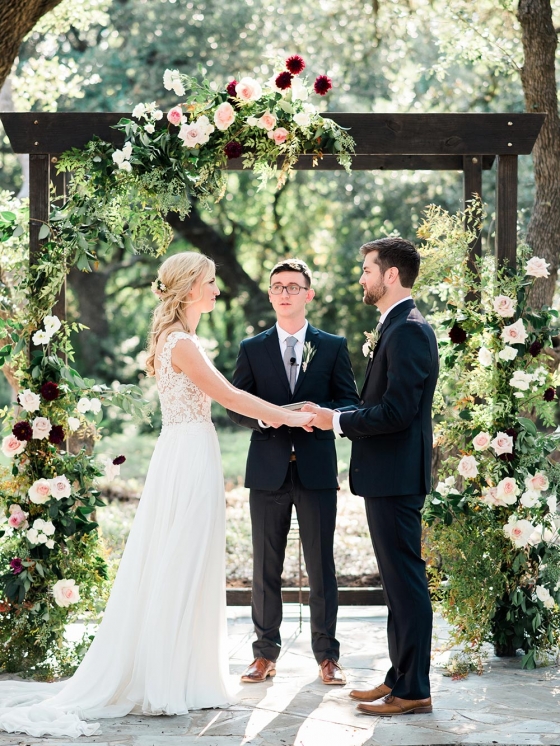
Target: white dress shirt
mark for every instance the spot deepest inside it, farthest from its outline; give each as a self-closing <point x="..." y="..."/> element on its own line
<point x="298" y="347"/>
<point x="336" y="415"/>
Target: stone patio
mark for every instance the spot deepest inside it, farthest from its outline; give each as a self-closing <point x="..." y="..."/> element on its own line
<point x="504" y="706"/>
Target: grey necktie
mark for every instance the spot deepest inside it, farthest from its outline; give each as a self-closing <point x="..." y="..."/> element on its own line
<point x="290" y="361"/>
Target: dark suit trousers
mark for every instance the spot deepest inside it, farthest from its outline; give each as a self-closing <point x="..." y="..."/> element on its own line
<point x="270" y="518"/>
<point x="396" y="530"/>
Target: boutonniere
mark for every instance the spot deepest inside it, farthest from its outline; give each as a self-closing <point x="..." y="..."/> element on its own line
<point x="308" y="352"/>
<point x="372" y="338"/>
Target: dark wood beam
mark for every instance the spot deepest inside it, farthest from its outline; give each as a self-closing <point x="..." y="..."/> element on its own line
<point x="375" y="134"/>
<point x="506" y="210"/>
<point x="381" y="163"/>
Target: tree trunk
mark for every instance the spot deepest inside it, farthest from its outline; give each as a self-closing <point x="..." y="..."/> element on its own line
<point x="17" y="18"/>
<point x="539" y="86"/>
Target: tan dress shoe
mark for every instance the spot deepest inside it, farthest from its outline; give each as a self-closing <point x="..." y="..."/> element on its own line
<point x="259" y="670"/>
<point x="331" y="673"/>
<point x="389" y="706"/>
<point x="370" y="695"/>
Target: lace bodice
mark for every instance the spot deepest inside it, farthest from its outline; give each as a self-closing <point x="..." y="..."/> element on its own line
<point x="181" y="401"/>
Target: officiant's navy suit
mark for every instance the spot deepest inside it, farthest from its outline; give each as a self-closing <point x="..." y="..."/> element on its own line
<point x="391" y="433"/>
<point x="289" y="466"/>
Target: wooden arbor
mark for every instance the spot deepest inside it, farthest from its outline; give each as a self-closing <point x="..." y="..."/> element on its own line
<point x="432" y="142"/>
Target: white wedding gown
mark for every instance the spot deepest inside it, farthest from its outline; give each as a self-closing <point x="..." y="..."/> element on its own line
<point x="161" y="647"/>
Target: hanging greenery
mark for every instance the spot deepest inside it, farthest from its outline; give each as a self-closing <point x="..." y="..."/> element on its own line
<point x="494" y="523"/>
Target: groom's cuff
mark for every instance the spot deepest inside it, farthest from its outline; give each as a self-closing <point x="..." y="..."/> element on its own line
<point x="261" y="423"/>
<point x="336" y="423"/>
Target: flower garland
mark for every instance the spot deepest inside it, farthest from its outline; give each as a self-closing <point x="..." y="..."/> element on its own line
<point x="494" y="518"/>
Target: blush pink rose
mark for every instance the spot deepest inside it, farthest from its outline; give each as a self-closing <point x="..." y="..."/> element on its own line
<point x="224" y="116"/>
<point x="66" y="592"/>
<point x="504" y="306"/>
<point x="11" y="446"/>
<point x="17" y="519"/>
<point x="537" y="267"/>
<point x="481" y="441"/>
<point x="60" y="487"/>
<point x="537" y="482"/>
<point x="279" y="135"/>
<point x="267" y="121"/>
<point x="41" y="427"/>
<point x="514" y="333"/>
<point x="502" y="443"/>
<point x="248" y="89"/>
<point x="508" y="490"/>
<point x="468" y="467"/>
<point x="40" y="491"/>
<point x="175" y="115"/>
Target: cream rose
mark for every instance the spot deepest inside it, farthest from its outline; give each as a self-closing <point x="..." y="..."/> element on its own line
<point x="11" y="446"/>
<point x="481" y="441"/>
<point x="224" y="116"/>
<point x="504" y="306"/>
<point x="530" y="498"/>
<point x="302" y="119"/>
<point x="514" y="333"/>
<point x="41" y="428"/>
<point x="73" y="424"/>
<point x="508" y="490"/>
<point x="40" y="491"/>
<point x="537" y="482"/>
<point x="468" y="467"/>
<point x="66" y="592"/>
<point x="537" y="267"/>
<point x="60" y="487"/>
<point x="518" y="531"/>
<point x="521" y="380"/>
<point x="485" y="357"/>
<point x="52" y="324"/>
<point x="29" y="401"/>
<point x="508" y="353"/>
<point x="248" y="89"/>
<point x="83" y="405"/>
<point x="502" y="443"/>
<point x="552" y="503"/>
<point x="543" y="594"/>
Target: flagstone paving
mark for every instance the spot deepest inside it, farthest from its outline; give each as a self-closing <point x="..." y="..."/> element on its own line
<point x="503" y="706"/>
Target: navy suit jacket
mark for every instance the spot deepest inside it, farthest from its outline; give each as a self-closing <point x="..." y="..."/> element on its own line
<point x="391" y="431"/>
<point x="327" y="381"/>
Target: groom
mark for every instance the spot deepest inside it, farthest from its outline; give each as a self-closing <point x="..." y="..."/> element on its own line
<point x="293" y="362"/>
<point x="391" y="434"/>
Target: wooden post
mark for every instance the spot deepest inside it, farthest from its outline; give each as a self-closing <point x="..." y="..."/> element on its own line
<point x="59" y="181"/>
<point x="506" y="210"/>
<point x="472" y="186"/>
<point x="39" y="201"/>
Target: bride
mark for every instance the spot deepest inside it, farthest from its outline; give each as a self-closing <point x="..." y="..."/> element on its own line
<point x="161" y="648"/>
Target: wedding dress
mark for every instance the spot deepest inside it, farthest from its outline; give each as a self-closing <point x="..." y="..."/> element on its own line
<point x="161" y="647"/>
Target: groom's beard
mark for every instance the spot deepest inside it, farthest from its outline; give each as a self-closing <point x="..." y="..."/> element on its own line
<point x="372" y="296"/>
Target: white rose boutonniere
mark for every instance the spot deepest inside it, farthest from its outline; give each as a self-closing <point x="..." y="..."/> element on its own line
<point x="308" y="353"/>
<point x="372" y="338"/>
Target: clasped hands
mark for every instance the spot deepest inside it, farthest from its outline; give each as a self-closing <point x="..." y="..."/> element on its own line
<point x="323" y="418"/>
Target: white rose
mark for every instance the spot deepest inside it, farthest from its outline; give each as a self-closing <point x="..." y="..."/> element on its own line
<point x="118" y="157"/>
<point x="490" y="497"/>
<point x="29" y="401"/>
<point x="299" y="90"/>
<point x="178" y="88"/>
<point x="224" y="116"/>
<point x="537" y="267"/>
<point x="11" y="446"/>
<point x="485" y="357"/>
<point x="138" y="111"/>
<point x="95" y="405"/>
<point x="41" y="427"/>
<point x="38" y="524"/>
<point x="41" y="338"/>
<point x="48" y="528"/>
<point x="40" y="491"/>
<point x="158" y="114"/>
<point x="536" y="536"/>
<point x="508" y="353"/>
<point x="252" y="121"/>
<point x="543" y="594"/>
<point x="302" y="119"/>
<point x="514" y="333"/>
<point x="442" y="489"/>
<point x="508" y="490"/>
<point x="552" y="503"/>
<point x="540" y="375"/>
<point x="502" y="443"/>
<point x="518" y="531"/>
<point x="169" y="76"/>
<point x="73" y="424"/>
<point x="468" y="467"/>
<point x="504" y="306"/>
<point x="530" y="498"/>
<point x="66" y="592"/>
<point x="248" y="89"/>
<point x="42" y="539"/>
<point x="537" y="482"/>
<point x="481" y="441"/>
<point x="150" y="129"/>
<point x="60" y="487"/>
<point x="52" y="324"/>
<point x="32" y="536"/>
<point x="49" y="544"/>
<point x="125" y="166"/>
<point x="521" y="380"/>
<point x="127" y="150"/>
<point x="83" y="405"/>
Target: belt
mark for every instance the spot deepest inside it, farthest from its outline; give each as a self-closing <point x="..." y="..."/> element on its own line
<point x="292" y="456"/>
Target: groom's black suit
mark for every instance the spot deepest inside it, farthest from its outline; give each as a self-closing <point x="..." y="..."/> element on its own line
<point x="289" y="466"/>
<point x="391" y="435"/>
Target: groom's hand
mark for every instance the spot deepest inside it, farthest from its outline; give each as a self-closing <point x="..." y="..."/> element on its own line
<point x="323" y="419"/>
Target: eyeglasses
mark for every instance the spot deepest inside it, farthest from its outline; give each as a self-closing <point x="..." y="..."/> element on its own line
<point x="292" y="289"/>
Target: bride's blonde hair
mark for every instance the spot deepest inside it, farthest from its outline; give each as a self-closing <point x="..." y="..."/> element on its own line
<point x="176" y="278"/>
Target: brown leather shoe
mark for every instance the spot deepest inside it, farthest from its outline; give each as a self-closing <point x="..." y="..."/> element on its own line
<point x="370" y="695"/>
<point x="258" y="671"/>
<point x="331" y="673"/>
<point x="389" y="706"/>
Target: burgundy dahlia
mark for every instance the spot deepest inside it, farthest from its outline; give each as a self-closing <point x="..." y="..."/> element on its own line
<point x="22" y="430"/>
<point x="295" y="64"/>
<point x="284" y="80"/>
<point x="549" y="394"/>
<point x="57" y="435"/>
<point x="230" y="88"/>
<point x="119" y="460"/>
<point x="16" y="565"/>
<point x="49" y="391"/>
<point x="457" y="334"/>
<point x="535" y="348"/>
<point x="233" y="149"/>
<point x="322" y="85"/>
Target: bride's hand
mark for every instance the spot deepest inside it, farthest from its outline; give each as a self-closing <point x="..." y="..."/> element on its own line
<point x="300" y="419"/>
